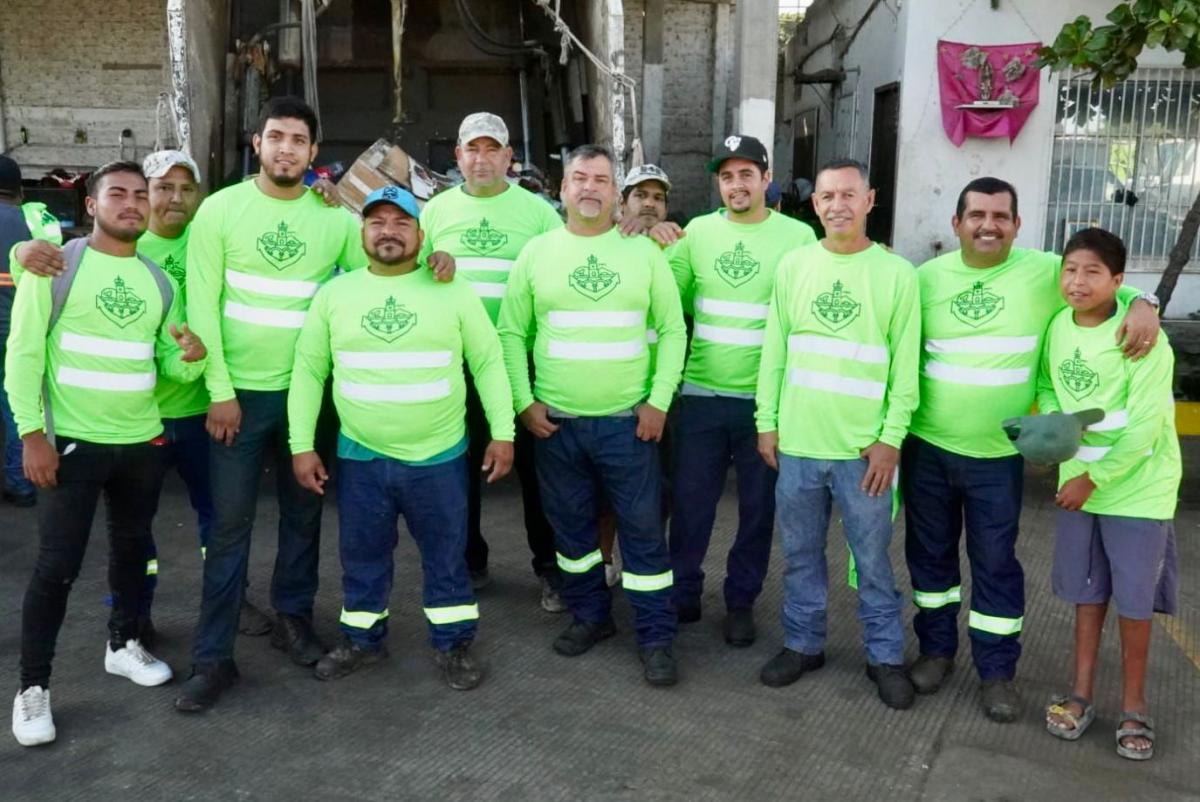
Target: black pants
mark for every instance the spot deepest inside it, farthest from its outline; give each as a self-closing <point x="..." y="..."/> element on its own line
<point x="130" y="477"/>
<point x="538" y="532"/>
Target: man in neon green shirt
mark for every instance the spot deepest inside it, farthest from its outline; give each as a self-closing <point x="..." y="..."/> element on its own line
<point x="725" y="264"/>
<point x="81" y="368"/>
<point x="257" y="254"/>
<point x="837" y="385"/>
<point x="397" y="341"/>
<point x="984" y="312"/>
<point x="1114" y="539"/>
<point x="484" y="223"/>
<point x="587" y="293"/>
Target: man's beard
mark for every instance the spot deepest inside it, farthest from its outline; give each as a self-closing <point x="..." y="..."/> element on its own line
<point x="401" y="255"/>
<point x="122" y="235"/>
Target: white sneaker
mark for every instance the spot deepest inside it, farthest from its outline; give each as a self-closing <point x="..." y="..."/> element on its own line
<point x="32" y="722"/>
<point x="137" y="664"/>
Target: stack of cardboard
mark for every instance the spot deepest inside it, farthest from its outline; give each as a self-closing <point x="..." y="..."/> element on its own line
<point x="384" y="164"/>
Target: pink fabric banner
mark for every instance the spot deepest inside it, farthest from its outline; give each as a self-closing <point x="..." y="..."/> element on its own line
<point x="971" y="74"/>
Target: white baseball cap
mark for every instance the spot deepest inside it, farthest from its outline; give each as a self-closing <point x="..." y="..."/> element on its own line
<point x="483" y="123"/>
<point x="159" y="163"/>
<point x="644" y="173"/>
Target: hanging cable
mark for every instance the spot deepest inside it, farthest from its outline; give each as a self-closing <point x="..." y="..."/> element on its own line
<point x="308" y="45"/>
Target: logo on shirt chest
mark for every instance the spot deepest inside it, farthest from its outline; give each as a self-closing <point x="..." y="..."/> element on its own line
<point x="175" y="268"/>
<point x="1079" y="379"/>
<point x="120" y="304"/>
<point x="281" y="247"/>
<point x="483" y="239"/>
<point x="594" y="280"/>
<point x="977" y="305"/>
<point x="389" y="322"/>
<point x="737" y="266"/>
<point x="836" y="309"/>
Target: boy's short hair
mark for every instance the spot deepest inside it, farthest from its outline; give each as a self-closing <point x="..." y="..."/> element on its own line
<point x="1106" y="245"/>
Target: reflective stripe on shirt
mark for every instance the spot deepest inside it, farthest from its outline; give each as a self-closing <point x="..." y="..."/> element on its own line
<point x="277" y="287"/>
<point x="275" y="318"/>
<point x="983" y="377"/>
<point x="746" y="311"/>
<point x="727" y="335"/>
<point x="833" y="383"/>
<point x="843" y="349"/>
<point x="982" y="345"/>
<point x="484" y="263"/>
<point x="394" y="359"/>
<point x="102" y="346"/>
<point x="102" y="380"/>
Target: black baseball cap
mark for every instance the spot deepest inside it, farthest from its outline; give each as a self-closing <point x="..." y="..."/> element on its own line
<point x="10" y="176"/>
<point x="737" y="146"/>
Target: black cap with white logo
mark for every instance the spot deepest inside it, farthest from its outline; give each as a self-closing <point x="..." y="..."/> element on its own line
<point x="740" y="147"/>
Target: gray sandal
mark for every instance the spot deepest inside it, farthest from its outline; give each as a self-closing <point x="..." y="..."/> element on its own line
<point x="1146" y="730"/>
<point x="1078" y="724"/>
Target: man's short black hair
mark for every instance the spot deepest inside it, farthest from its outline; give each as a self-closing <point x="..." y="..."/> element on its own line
<point x="93" y="182"/>
<point x="842" y="163"/>
<point x="585" y="152"/>
<point x="1105" y="244"/>
<point x="986" y="186"/>
<point x="288" y="108"/>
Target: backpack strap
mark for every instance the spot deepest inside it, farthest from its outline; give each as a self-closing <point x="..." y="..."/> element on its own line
<point x="165" y="288"/>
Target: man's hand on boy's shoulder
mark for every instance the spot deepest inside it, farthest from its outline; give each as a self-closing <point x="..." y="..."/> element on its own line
<point x="1139" y="330"/>
<point x="1075" y="493"/>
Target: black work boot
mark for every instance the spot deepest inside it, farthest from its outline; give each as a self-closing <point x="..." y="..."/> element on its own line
<point x="895" y="688"/>
<point x="295" y="636"/>
<point x="928" y="672"/>
<point x="659" y="666"/>
<point x="461" y="671"/>
<point x="1000" y="700"/>
<point x="202" y="689"/>
<point x="345" y="659"/>
<point x="788" y="666"/>
<point x="739" y="628"/>
<point x="581" y="636"/>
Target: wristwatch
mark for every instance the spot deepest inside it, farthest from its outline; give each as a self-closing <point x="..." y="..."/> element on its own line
<point x="1149" y="298"/>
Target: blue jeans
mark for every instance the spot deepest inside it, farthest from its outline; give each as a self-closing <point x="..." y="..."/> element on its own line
<point x="587" y="454"/>
<point x="708" y="434"/>
<point x="803" y="496"/>
<point x="14" y="474"/>
<point x="187" y="452"/>
<point x="942" y="492"/>
<point x="236" y="471"/>
<point x="372" y="494"/>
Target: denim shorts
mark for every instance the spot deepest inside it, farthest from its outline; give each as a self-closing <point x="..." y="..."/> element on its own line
<point x="1129" y="560"/>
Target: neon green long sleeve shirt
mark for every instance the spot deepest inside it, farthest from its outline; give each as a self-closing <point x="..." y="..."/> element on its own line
<point x="254" y="264"/>
<point x="840" y="352"/>
<point x="396" y="346"/>
<point x="100" y="362"/>
<point x="1132" y="455"/>
<point x="589" y="300"/>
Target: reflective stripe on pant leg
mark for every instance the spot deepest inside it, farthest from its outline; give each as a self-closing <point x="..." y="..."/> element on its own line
<point x="932" y="600"/>
<point x="151" y="567"/>
<point x="995" y="624"/>
<point x="647" y="582"/>
<point x="452" y="615"/>
<point x="580" y="566"/>
<point x="361" y="619"/>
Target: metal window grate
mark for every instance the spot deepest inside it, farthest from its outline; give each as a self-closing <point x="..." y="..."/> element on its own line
<point x="1125" y="159"/>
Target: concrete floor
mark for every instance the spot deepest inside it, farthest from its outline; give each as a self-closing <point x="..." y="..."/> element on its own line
<point x="544" y="727"/>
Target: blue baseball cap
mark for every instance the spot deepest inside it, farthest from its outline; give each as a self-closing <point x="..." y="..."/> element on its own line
<point x="399" y="197"/>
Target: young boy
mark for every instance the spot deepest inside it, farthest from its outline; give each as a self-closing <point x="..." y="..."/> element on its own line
<point x="1114" y="535"/>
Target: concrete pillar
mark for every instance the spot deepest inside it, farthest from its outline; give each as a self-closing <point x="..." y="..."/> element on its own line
<point x="652" y="80"/>
<point x="757" y="24"/>
<point x="206" y="35"/>
<point x="722" y="78"/>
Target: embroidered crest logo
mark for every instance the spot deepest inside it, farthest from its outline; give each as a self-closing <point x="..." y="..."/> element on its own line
<point x="281" y="247"/>
<point x="977" y="305"/>
<point x="1079" y="379"/>
<point x="175" y="268"/>
<point x="120" y="304"/>
<point x="389" y="322"/>
<point x="483" y="239"/>
<point x="732" y="142"/>
<point x="736" y="266"/>
<point x="594" y="280"/>
<point x="836" y="309"/>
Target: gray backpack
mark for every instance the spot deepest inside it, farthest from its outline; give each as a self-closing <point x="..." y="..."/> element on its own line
<point x="60" y="288"/>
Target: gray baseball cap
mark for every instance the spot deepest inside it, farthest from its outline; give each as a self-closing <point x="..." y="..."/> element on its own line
<point x="1052" y="438"/>
<point x="158" y="163"/>
<point x="483" y="123"/>
<point x="647" y="172"/>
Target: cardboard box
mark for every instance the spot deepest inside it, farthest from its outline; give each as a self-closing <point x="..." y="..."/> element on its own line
<point x="384" y="164"/>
